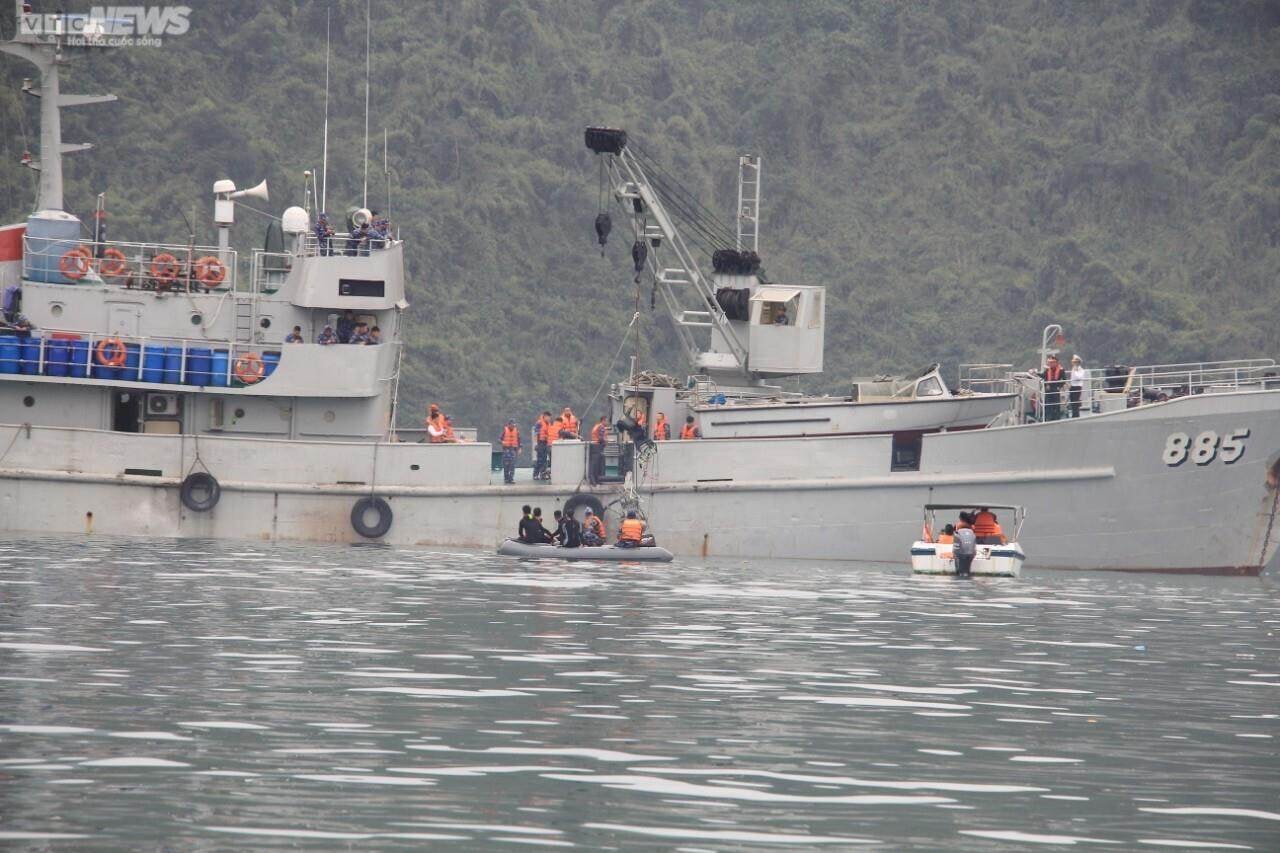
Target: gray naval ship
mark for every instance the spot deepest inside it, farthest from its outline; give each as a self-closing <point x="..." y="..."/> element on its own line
<point x="152" y="389"/>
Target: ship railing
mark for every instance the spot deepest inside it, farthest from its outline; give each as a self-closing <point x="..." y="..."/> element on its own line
<point x="987" y="378"/>
<point x="138" y="266"/>
<point x="150" y="358"/>
<point x="1116" y="387"/>
<point x="343" y="244"/>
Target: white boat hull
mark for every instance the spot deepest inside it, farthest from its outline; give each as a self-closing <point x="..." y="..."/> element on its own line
<point x="998" y="561"/>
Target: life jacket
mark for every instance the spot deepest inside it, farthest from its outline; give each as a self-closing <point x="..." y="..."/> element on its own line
<point x="598" y="434"/>
<point x="945" y="538"/>
<point x="985" y="525"/>
<point x="570" y="423"/>
<point x="688" y="431"/>
<point x="661" y="429"/>
<point x="593" y="524"/>
<point x="639" y="418"/>
<point x="438" y="428"/>
<point x="544" y="430"/>
<point x="632" y="530"/>
<point x="510" y="436"/>
<point x="999" y="532"/>
<point x="1052" y="373"/>
<point x="553" y="431"/>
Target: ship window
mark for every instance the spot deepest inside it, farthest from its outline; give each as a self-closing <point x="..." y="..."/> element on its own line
<point x="905" y="455"/>
<point x="929" y="387"/>
<point x="197" y="319"/>
<point x="28" y="401"/>
<point x="265" y="322"/>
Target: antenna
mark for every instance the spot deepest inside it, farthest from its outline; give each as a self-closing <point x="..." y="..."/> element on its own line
<point x="324" y="164"/>
<point x="386" y="173"/>
<point x="367" y="4"/>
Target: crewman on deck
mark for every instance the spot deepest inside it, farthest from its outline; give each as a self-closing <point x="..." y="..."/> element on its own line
<point x="542" y="447"/>
<point x="437" y="427"/>
<point x="592" y="529"/>
<point x="510" y="450"/>
<point x="661" y="429"/>
<point x="570" y="422"/>
<point x="631" y="534"/>
<point x="375" y="336"/>
<point x="327" y="336"/>
<point x="599" y="438"/>
<point x="1054" y="378"/>
<point x="360" y="335"/>
<point x="690" y="430"/>
<point x="986" y="528"/>
<point x="346" y="326"/>
<point x="555" y="430"/>
<point x="324" y="234"/>
<point x="294" y="337"/>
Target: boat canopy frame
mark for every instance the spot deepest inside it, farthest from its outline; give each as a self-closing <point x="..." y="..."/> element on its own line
<point x="1019" y="513"/>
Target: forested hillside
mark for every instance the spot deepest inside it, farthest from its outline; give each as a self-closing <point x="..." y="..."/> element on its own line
<point x="956" y="174"/>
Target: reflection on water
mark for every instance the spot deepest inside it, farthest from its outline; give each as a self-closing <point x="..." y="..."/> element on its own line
<point x="207" y="695"/>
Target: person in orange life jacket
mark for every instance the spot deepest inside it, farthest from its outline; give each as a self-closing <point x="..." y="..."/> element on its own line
<point x="986" y="528"/>
<point x="1054" y="378"/>
<point x="947" y="536"/>
<point x="542" y="447"/>
<point x="661" y="429"/>
<point x="631" y="534"/>
<point x="437" y="427"/>
<point x="570" y="422"/>
<point x="592" y="529"/>
<point x="689" y="430"/>
<point x="510" y="450"/>
<point x="599" y="438"/>
<point x="449" y="436"/>
<point x="557" y="429"/>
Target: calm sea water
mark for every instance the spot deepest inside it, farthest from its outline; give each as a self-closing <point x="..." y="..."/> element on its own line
<point x="166" y="694"/>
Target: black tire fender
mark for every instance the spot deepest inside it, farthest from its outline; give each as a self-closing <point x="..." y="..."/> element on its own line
<point x="583" y="500"/>
<point x="385" y="516"/>
<point x="200" y="491"/>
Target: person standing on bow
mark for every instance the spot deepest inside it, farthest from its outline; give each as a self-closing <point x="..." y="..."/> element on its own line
<point x="599" y="438"/>
<point x="542" y="447"/>
<point x="1075" y="384"/>
<point x="1053" y="377"/>
<point x="510" y="450"/>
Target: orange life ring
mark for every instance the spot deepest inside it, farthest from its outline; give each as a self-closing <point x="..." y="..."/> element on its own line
<point x="110" y="352"/>
<point x="249" y="368"/>
<point x="164" y="267"/>
<point x="75" y="263"/>
<point x="113" y="264"/>
<point x="210" y="271"/>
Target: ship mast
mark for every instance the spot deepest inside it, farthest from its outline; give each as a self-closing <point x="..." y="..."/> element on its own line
<point x="43" y="47"/>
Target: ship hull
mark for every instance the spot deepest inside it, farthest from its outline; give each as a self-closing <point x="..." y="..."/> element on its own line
<point x="1102" y="493"/>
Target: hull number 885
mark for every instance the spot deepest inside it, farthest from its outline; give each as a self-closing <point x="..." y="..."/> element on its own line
<point x="1204" y="448"/>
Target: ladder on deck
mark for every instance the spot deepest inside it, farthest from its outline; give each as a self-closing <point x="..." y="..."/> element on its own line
<point x="245" y="309"/>
<point x="749" y="203"/>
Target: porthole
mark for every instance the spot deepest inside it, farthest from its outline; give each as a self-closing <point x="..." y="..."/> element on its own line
<point x="197" y="319"/>
<point x="28" y="401"/>
<point x="329" y="416"/>
<point x="265" y="322"/>
<point x="239" y="413"/>
<point x="56" y="309"/>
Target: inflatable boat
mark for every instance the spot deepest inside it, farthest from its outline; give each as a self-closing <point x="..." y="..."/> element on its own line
<point x="643" y="554"/>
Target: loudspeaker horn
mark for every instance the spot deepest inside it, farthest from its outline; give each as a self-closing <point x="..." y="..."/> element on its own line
<point x="260" y="191"/>
<point x="362" y="217"/>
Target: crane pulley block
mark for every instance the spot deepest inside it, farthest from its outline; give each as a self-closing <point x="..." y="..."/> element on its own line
<point x="606" y="140"/>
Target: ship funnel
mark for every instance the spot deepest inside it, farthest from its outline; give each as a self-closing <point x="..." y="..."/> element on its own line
<point x="260" y="191"/>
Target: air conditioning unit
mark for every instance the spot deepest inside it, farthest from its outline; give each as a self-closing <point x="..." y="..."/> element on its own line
<point x="160" y="405"/>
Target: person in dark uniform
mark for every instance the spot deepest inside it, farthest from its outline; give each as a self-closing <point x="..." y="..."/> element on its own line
<point x="526" y="524"/>
<point x="568" y="530"/>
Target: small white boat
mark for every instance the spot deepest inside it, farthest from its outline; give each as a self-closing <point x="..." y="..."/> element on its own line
<point x="930" y="557"/>
<point x="643" y="554"/>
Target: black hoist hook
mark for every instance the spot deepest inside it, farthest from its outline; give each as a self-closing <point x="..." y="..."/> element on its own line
<point x="603" y="226"/>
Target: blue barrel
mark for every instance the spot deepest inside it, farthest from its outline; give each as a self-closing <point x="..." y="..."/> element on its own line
<point x="79" y="367"/>
<point x="153" y="363"/>
<point x="30" y="355"/>
<point x="218" y="366"/>
<point x="199" y="360"/>
<point x="10" y="353"/>
<point x="173" y="365"/>
<point x="57" y="357"/>
<point x="270" y="361"/>
<point x="132" y="362"/>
